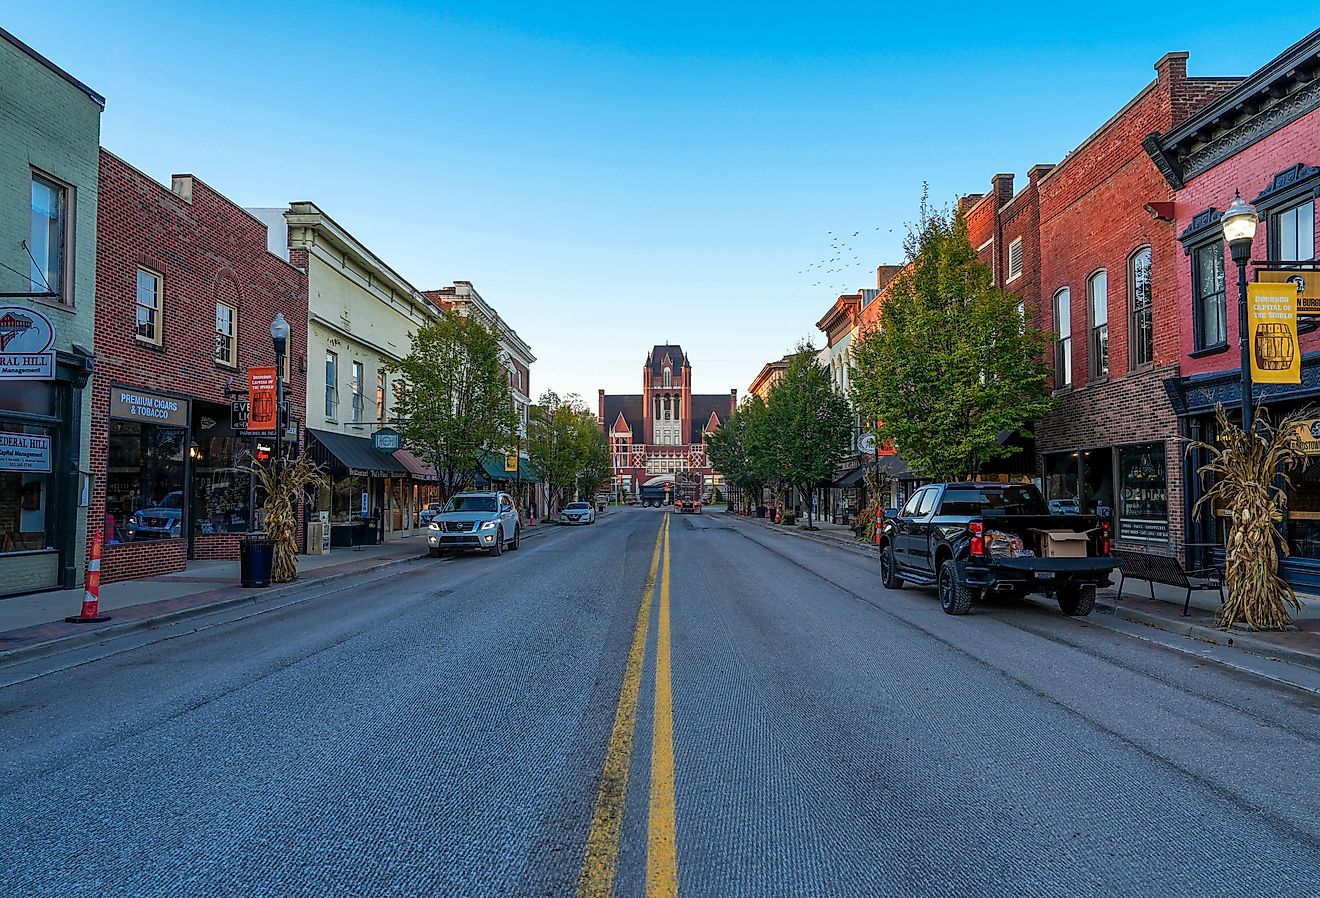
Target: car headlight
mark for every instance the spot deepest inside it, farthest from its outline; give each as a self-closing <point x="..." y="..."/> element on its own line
<point x="489" y="525"/>
<point x="136" y="519"/>
<point x="435" y="526"/>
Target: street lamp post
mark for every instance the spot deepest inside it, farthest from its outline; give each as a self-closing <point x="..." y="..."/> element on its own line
<point x="279" y="336"/>
<point x="1239" y="224"/>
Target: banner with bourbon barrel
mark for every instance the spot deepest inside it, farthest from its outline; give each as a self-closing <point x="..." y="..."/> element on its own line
<point x="1272" y="330"/>
<point x="262" y="400"/>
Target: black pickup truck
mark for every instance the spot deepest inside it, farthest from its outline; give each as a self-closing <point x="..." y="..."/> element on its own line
<point x="971" y="538"/>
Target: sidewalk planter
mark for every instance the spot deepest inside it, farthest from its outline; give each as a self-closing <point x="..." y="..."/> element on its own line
<point x="256" y="558"/>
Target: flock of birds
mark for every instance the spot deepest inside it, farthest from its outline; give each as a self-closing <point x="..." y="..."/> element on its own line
<point x="843" y="260"/>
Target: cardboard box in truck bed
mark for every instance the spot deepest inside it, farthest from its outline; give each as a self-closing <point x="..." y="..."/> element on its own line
<point x="1062" y="543"/>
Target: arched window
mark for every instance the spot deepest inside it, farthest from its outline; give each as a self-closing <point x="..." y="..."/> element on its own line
<point x="1141" y="333"/>
<point x="1062" y="339"/>
<point x="1097" y="304"/>
<point x="668" y="374"/>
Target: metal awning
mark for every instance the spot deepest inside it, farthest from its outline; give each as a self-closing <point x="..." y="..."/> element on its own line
<point x="417" y="469"/>
<point x="492" y="468"/>
<point x="851" y="478"/>
<point x="344" y="454"/>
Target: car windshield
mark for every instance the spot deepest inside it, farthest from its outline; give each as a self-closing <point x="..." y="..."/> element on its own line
<point x="998" y="500"/>
<point x="171" y="500"/>
<point x="471" y="503"/>
<point x="576" y="506"/>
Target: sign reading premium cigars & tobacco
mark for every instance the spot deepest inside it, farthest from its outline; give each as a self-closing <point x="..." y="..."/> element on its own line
<point x="130" y="404"/>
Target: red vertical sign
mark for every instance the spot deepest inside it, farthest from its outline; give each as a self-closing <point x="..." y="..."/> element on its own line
<point x="262" y="400"/>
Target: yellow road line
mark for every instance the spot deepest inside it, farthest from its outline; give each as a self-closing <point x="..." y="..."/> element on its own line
<point x="662" y="841"/>
<point x="600" y="860"/>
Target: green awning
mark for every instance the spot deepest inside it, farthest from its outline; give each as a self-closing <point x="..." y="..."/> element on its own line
<point x="492" y="469"/>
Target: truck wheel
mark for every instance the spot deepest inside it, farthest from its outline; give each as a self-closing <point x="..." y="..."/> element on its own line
<point x="889" y="577"/>
<point x="955" y="596"/>
<point x="1077" y="601"/>
<point x="498" y="549"/>
<point x="517" y="538"/>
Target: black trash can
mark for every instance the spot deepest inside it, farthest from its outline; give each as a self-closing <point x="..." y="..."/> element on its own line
<point x="760" y="511"/>
<point x="256" y="561"/>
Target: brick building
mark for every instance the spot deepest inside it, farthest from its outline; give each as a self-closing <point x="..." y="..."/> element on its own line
<point x="662" y="431"/>
<point x="1261" y="139"/>
<point x="186" y="292"/>
<point x="1108" y="290"/>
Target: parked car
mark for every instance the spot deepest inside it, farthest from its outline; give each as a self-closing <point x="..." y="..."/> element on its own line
<point x="578" y="513"/>
<point x="162" y="521"/>
<point x="486" y="521"/>
<point x="968" y="539"/>
<point x="1065" y="506"/>
<point x="429" y="511"/>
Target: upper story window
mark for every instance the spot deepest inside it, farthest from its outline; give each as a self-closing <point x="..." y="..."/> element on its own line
<point x="1014" y="260"/>
<point x="1141" y="334"/>
<point x="48" y="236"/>
<point x="359" y="400"/>
<point x="1097" y="301"/>
<point x="1063" y="339"/>
<point x="1209" y="297"/>
<point x="380" y="395"/>
<point x="668" y="378"/>
<point x="148" y="302"/>
<point x="226" y="329"/>
<point x="1292" y="233"/>
<point x="331" y="385"/>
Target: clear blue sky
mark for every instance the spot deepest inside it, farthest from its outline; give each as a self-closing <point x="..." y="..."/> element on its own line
<point x="613" y="176"/>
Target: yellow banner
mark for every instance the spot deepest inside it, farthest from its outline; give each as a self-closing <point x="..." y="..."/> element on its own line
<point x="1306" y="282"/>
<point x="510" y="462"/>
<point x="1272" y="328"/>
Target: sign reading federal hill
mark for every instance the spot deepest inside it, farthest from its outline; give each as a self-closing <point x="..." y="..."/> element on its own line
<point x="129" y="404"/>
<point x="26" y="340"/>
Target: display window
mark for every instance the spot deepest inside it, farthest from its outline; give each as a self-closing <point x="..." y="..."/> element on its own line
<point x="145" y="482"/>
<point x="25" y="482"/>
<point x="1143" y="498"/>
<point x="221" y="487"/>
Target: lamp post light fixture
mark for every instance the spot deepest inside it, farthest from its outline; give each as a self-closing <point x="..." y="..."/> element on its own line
<point x="279" y="336"/>
<point x="1239" y="224"/>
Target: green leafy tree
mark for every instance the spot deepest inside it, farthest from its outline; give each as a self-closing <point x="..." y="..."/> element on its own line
<point x="953" y="368"/>
<point x="567" y="447"/>
<point x="808" y="426"/>
<point x="738" y="450"/>
<point x="454" y="401"/>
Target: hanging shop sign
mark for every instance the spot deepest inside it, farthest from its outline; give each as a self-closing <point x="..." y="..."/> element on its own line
<point x="27" y="340"/>
<point x="387" y="439"/>
<point x="1309" y="431"/>
<point x="24" y="452"/>
<point x="139" y="405"/>
<point x="510" y="462"/>
<point x="263" y="400"/>
<point x="1272" y="328"/>
<point x="1307" y="284"/>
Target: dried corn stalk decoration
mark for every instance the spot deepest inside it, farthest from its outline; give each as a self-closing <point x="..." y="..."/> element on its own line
<point x="1249" y="475"/>
<point x="283" y="483"/>
<point x="878" y="484"/>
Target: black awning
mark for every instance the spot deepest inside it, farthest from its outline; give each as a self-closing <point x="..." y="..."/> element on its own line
<point x="344" y="454"/>
<point x="851" y="478"/>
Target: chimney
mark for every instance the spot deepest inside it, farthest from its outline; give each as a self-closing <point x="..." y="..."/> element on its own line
<point x="884" y="274"/>
<point x="1172" y="68"/>
<point x="1038" y="171"/>
<point x="600" y="401"/>
<point x="1003" y="187"/>
<point x="733" y="401"/>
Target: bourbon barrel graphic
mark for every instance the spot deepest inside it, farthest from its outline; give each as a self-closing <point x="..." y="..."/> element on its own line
<point x="1274" y="347"/>
<point x="263" y="406"/>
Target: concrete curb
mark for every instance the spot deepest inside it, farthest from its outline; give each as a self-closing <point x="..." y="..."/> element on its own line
<point x="1244" y="641"/>
<point x="846" y="545"/>
<point x="251" y="597"/>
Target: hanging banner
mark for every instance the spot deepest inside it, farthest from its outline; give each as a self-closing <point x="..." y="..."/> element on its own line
<point x="1306" y="282"/>
<point x="1272" y="330"/>
<point x="261" y="399"/>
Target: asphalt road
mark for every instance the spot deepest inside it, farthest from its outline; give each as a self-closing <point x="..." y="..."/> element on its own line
<point x="707" y="707"/>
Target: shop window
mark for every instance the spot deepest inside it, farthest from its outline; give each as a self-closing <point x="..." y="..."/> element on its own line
<point x="1141" y="334"/>
<point x="222" y="490"/>
<point x="25" y="482"/>
<point x="1143" y="499"/>
<point x="1060" y="482"/>
<point x="1303" y="528"/>
<point x="359" y="401"/>
<point x="144" y="481"/>
<point x="148" y="306"/>
<point x="226" y="321"/>
<point x="1097" y="299"/>
<point x="1062" y="339"/>
<point x="1210" y="310"/>
<point x="331" y="385"/>
<point x="1292" y="233"/>
<point x="47" y="237"/>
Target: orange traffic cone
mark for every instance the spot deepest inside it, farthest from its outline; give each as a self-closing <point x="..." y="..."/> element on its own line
<point x="92" y="592"/>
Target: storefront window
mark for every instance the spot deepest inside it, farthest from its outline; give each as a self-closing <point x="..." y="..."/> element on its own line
<point x="221" y="488"/>
<point x="25" y="465"/>
<point x="346" y="499"/>
<point x="144" y="482"/>
<point x="1061" y="483"/>
<point x="1304" y="514"/>
<point x="1143" y="505"/>
<point x="1098" y="480"/>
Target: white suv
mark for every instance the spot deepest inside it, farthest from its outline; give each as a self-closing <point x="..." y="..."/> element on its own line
<point x="485" y="521"/>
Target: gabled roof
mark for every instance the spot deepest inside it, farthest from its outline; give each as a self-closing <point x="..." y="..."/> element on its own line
<point x="626" y="407"/>
<point x="704" y="407"/>
<point x="620" y="425"/>
<point x="655" y="359"/>
<point x="712" y="423"/>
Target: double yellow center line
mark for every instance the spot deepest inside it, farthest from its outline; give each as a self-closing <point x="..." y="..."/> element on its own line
<point x="600" y="860"/>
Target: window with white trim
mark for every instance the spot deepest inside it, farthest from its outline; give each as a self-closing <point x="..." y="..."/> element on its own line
<point x="1062" y="339"/>
<point x="1014" y="260"/>
<point x="1097" y="300"/>
<point x="148" y="302"/>
<point x="226" y="329"/>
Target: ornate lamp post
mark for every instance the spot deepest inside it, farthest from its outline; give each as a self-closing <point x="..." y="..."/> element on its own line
<point x="1239" y="224"/>
<point x="279" y="335"/>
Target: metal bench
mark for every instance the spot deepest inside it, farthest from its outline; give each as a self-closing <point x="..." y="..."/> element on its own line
<point x="1164" y="569"/>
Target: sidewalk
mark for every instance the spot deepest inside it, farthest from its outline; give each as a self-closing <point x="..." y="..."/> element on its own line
<point x="30" y="623"/>
<point x="1300" y="646"/>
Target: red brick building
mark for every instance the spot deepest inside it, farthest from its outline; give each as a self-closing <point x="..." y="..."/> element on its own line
<point x="662" y="431"/>
<point x="1108" y="290"/>
<point x="186" y="291"/>
<point x="1261" y="139"/>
